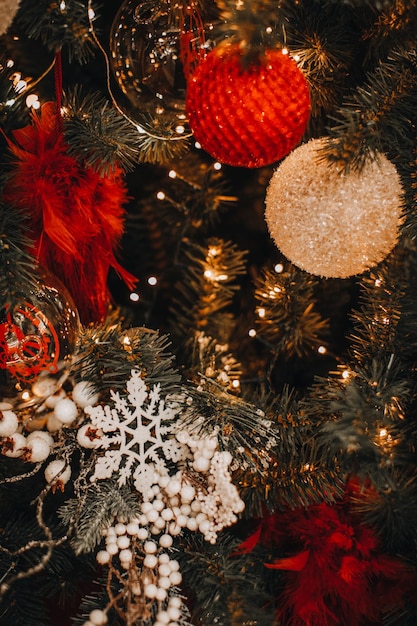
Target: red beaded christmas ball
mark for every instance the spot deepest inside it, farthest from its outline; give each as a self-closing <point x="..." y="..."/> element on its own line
<point x="247" y="116"/>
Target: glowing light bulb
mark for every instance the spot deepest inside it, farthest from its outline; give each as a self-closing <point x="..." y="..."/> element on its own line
<point x="172" y="174"/>
<point x="152" y="280"/>
<point x="217" y="166"/>
<point x="134" y="296"/>
<point x="252" y="332"/>
<point x="279" y="268"/>
<point x="160" y="195"/>
<point x="321" y="350"/>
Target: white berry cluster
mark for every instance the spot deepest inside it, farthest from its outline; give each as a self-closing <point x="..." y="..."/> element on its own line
<point x="33" y="440"/>
<point x="156" y="572"/>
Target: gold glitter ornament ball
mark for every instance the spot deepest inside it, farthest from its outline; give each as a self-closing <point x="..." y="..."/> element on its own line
<point x="329" y="223"/>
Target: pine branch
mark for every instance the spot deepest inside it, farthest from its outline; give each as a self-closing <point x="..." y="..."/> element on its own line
<point x="18" y="273"/>
<point x="98" y="135"/>
<point x="226" y="589"/>
<point x="101" y="504"/>
<point x="377" y="116"/>
<point x="108" y="353"/>
<point x="59" y="25"/>
<point x="207" y="285"/>
<point x="287" y="318"/>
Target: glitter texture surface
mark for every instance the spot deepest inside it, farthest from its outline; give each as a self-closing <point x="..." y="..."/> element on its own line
<point x="247" y="117"/>
<point x="332" y="224"/>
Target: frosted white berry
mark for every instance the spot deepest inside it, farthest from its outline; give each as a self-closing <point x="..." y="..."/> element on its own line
<point x="37" y="449"/>
<point x="103" y="557"/>
<point x="150" y="591"/>
<point x="85" y="394"/>
<point x="66" y="410"/>
<point x="150" y="547"/>
<point x="53" y="424"/>
<point x="51" y="400"/>
<point x="8" y="423"/>
<point x="187" y="493"/>
<point x="150" y="561"/>
<point x="123" y="542"/>
<point x="57" y="470"/>
<point x="201" y="464"/>
<point x="125" y="556"/>
<point x="98" y="617"/>
<point x="41" y="434"/>
<point x="174" y="613"/>
<point x="13" y="446"/>
<point x="165" y="541"/>
<point x="175" y="578"/>
<point x="89" y="436"/>
<point x="44" y="387"/>
<point x="161" y="594"/>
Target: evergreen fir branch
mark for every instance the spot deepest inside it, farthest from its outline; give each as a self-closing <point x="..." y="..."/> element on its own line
<point x="287" y="318"/>
<point x="207" y="284"/>
<point x="107" y="353"/>
<point x="301" y="472"/>
<point x="241" y="427"/>
<point x="158" y="138"/>
<point x="392" y="510"/>
<point x="58" y="25"/>
<point x="100" y="504"/>
<point x="320" y="37"/>
<point x="18" y="273"/>
<point x="225" y="589"/>
<point x="377" y="116"/>
<point x="393" y="26"/>
<point x="13" y="112"/>
<point x="98" y="135"/>
<point x="366" y="412"/>
<point x="214" y="360"/>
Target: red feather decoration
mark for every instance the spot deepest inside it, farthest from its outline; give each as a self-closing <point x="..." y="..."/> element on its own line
<point x="76" y="215"/>
<point x="334" y="571"/>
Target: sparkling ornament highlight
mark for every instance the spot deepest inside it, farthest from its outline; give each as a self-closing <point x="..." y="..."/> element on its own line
<point x="37" y="337"/>
<point x="247" y="116"/>
<point x="154" y="44"/>
<point x="330" y="223"/>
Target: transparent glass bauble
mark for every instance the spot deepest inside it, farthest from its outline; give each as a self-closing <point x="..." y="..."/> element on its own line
<point x="145" y="56"/>
<point x="38" y="336"/>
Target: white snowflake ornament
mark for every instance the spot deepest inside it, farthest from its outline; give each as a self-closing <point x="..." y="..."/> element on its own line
<point x="138" y="435"/>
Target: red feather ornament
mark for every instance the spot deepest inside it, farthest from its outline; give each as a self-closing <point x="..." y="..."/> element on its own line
<point x="335" y="573"/>
<point x="76" y="215"/>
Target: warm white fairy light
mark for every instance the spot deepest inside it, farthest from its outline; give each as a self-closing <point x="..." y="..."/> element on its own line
<point x="152" y="281"/>
<point x="321" y="350"/>
<point x="345" y="374"/>
<point x="279" y="268"/>
<point x="261" y="312"/>
<point x="217" y="166"/>
<point x="32" y="101"/>
<point x="180" y="129"/>
<point x="252" y="332"/>
<point x="134" y="296"/>
<point x="160" y="195"/>
<point x="172" y="174"/>
<point x="197" y="145"/>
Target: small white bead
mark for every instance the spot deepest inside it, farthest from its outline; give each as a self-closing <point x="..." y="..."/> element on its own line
<point x="152" y="516"/>
<point x="163" y="617"/>
<point x="98" y="617"/>
<point x="204" y="526"/>
<point x="84" y="394"/>
<point x="167" y="514"/>
<point x="146" y="507"/>
<point x="150" y="591"/>
<point x="182" y="520"/>
<point x="195" y="506"/>
<point x="192" y="524"/>
<point x="125" y="556"/>
<point x="132" y="528"/>
<point x="164" y="582"/>
<point x="163" y="481"/>
<point x="175" y="601"/>
<point x="164" y="558"/>
<point x="185" y="509"/>
<point x="8" y="423"/>
<point x="161" y="594"/>
<point x="103" y="557"/>
<point x="66" y="410"/>
<point x="120" y="529"/>
<point x="174" y="613"/>
<point x="150" y="547"/>
<point x="112" y="548"/>
<point x="174" y="565"/>
<point x="173" y="487"/>
<point x="175" y="578"/>
<point x="164" y="569"/>
<point x="123" y="542"/>
<point x="201" y="464"/>
<point x="174" y="529"/>
<point x="142" y="534"/>
<point x="150" y="561"/>
<point x="158" y="505"/>
<point x="165" y="541"/>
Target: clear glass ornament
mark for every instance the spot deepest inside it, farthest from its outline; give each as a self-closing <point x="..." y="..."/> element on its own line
<point x="145" y="56"/>
<point x="38" y="336"/>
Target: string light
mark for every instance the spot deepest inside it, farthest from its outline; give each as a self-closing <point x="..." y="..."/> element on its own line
<point x="172" y="174"/>
<point x="252" y="332"/>
<point x="345" y="374"/>
<point x="279" y="268"/>
<point x="134" y="296"/>
<point x="217" y="166"/>
<point x="321" y="350"/>
<point x="152" y="281"/>
<point x="261" y="312"/>
<point x="160" y="195"/>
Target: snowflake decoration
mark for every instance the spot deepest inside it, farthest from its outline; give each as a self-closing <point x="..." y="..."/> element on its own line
<point x="137" y="431"/>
